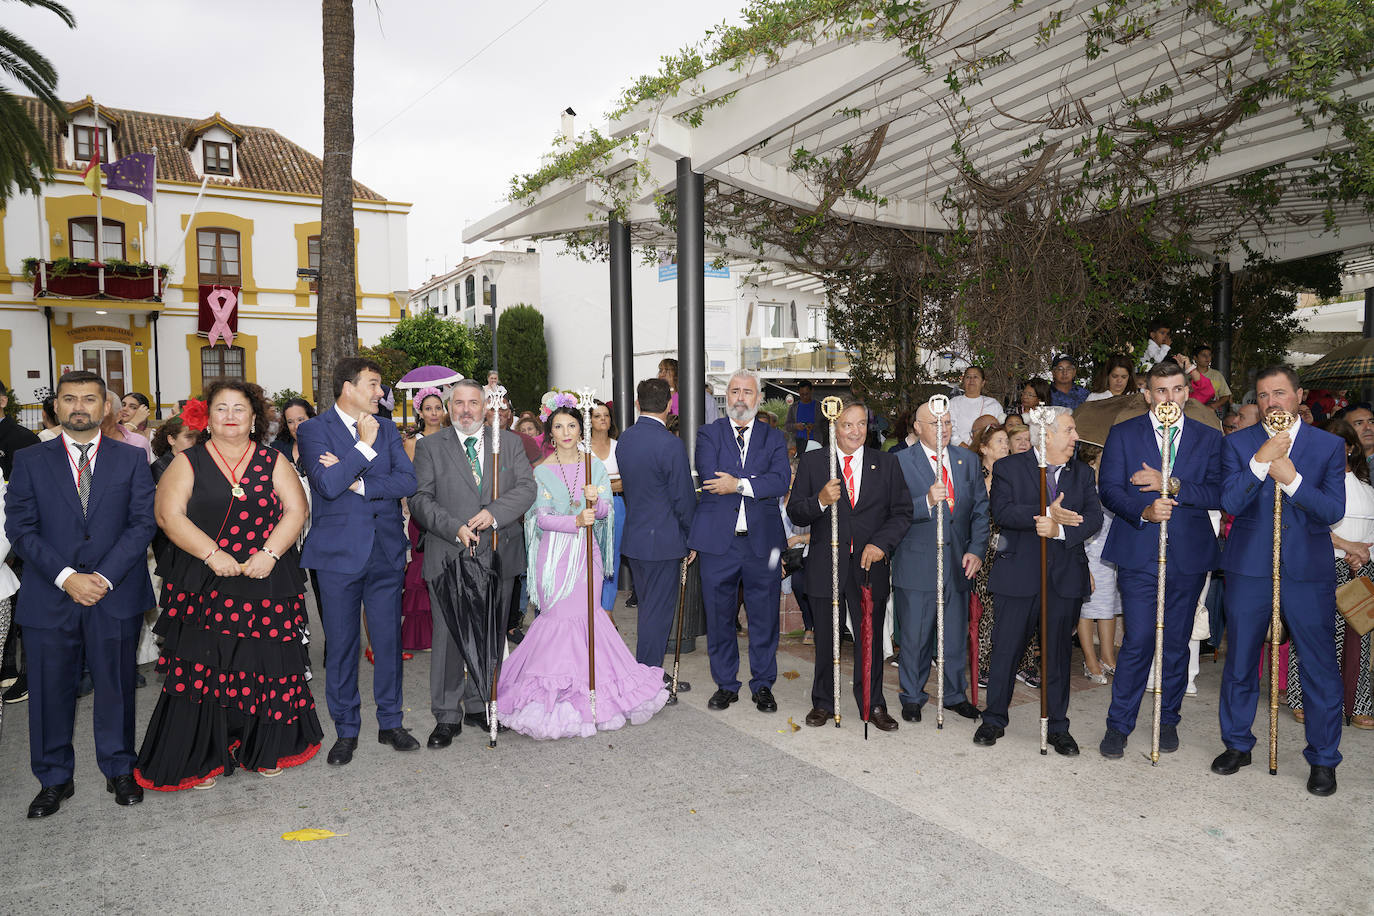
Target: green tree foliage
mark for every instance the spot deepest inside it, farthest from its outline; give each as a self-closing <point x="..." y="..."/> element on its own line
<point x="523" y="354"/>
<point x="429" y="340"/>
<point x="481" y="345"/>
<point x="395" y="363"/>
<point x="280" y="398"/>
<point x="21" y="145"/>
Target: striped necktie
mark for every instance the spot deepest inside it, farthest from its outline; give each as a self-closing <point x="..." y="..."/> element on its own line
<point x="83" y="477"/>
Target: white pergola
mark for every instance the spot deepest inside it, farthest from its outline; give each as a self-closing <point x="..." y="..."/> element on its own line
<point x="835" y="93"/>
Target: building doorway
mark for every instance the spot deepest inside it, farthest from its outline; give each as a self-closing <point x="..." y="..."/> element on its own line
<point x="108" y="360"/>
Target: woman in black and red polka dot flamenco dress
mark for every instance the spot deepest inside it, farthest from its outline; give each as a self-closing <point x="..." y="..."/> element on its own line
<point x="233" y="608"/>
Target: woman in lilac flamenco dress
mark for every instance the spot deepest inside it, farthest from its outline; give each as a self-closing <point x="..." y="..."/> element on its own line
<point x="543" y="684"/>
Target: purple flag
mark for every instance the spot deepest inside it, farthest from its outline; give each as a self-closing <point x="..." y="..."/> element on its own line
<point x="135" y="173"/>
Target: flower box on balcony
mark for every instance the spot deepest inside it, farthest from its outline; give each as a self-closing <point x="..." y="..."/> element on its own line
<point x="72" y="278"/>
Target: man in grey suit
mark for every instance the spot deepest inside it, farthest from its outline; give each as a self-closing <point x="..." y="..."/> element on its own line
<point x="453" y="505"/>
<point x="958" y="491"/>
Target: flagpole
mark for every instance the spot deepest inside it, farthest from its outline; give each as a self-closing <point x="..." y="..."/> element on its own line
<point x="152" y="204"/>
<point x="99" y="217"/>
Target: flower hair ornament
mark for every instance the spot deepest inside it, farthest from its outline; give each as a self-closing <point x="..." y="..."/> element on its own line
<point x="424" y="393"/>
<point x="554" y="399"/>
<point x="195" y="415"/>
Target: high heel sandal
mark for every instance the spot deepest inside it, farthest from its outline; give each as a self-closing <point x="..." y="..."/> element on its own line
<point x="1095" y="678"/>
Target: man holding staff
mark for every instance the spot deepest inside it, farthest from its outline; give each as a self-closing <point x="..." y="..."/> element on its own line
<point x="1073" y="515"/>
<point x="1308" y="467"/>
<point x="1133" y="488"/>
<point x="874" y="513"/>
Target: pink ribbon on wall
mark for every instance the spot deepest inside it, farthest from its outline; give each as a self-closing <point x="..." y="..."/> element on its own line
<point x="222" y="302"/>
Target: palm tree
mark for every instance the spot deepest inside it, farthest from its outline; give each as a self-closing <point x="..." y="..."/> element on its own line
<point x="21" y="145"/>
<point x="336" y="315"/>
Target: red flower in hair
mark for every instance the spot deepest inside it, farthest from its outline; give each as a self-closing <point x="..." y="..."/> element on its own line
<point x="195" y="415"/>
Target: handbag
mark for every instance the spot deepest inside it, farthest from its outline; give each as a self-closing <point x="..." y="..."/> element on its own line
<point x="1355" y="601"/>
<point x="792" y="559"/>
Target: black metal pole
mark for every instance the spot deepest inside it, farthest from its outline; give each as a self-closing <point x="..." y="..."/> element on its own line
<point x="1221" y="312"/>
<point x="622" y="328"/>
<point x="157" y="370"/>
<point x="492" y="289"/>
<point x="47" y="326"/>
<point x="691" y="304"/>
<point x="1367" y="394"/>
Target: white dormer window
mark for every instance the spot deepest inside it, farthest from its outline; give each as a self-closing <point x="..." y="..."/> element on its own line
<point x="218" y="157"/>
<point x="84" y="140"/>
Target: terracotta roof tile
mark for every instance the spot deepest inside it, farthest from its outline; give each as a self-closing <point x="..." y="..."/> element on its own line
<point x="266" y="160"/>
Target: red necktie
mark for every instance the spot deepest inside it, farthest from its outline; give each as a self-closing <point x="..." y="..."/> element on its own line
<point x="949" y="485"/>
<point x="849" y="478"/>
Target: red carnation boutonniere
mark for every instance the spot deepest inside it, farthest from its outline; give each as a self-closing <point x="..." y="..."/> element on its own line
<point x="195" y="415"/>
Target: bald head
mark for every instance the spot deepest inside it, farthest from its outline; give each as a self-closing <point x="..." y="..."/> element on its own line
<point x="1249" y="415"/>
<point x="926" y="429"/>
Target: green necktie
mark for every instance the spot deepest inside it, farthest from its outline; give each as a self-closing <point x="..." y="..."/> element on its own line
<point x="470" y="443"/>
<point x="1173" y="437"/>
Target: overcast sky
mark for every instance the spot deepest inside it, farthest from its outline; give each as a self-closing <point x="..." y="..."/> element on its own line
<point x="453" y="154"/>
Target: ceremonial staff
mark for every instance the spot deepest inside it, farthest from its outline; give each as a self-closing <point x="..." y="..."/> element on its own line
<point x="1042" y="417"/>
<point x="1168" y="414"/>
<point x="1277" y="421"/>
<point x="830" y="408"/>
<point x="585" y="403"/>
<point x="939" y="405"/>
<point x="494" y="399"/>
<point x="681" y="610"/>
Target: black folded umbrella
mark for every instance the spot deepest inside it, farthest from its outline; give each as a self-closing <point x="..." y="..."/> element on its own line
<point x="468" y="594"/>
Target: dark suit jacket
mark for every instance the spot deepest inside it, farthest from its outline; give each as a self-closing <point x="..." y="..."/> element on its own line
<point x="1308" y="515"/>
<point x="1015" y="502"/>
<point x="13" y="437"/>
<point x="1133" y="543"/>
<point x="44" y="523"/>
<point x="881" y="516"/>
<point x="345" y="524"/>
<point x="659" y="501"/>
<point x="446" y="496"/>
<point x="966" y="531"/>
<point x="768" y="472"/>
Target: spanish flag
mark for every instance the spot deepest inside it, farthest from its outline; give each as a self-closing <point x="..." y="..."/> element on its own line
<point x="93" y="176"/>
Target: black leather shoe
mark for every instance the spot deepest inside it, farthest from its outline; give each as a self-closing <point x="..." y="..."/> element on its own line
<point x="400" y="739"/>
<point x="682" y="686"/>
<point x="721" y="699"/>
<point x="342" y="752"/>
<point x="632" y="601"/>
<point x="1322" y="781"/>
<point x="987" y="735"/>
<point x="818" y="717"/>
<point x="49" y="799"/>
<point x="478" y="721"/>
<point x="911" y="712"/>
<point x="443" y="734"/>
<point x="1113" y="745"/>
<point x="126" y="790"/>
<point x="1063" y="743"/>
<point x="1229" y="761"/>
<point x="763" y="699"/>
<point x="881" y="720"/>
<point x="965" y="709"/>
<point x="1168" y="738"/>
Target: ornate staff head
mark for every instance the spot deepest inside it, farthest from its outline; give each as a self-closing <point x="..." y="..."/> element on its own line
<point x="494" y="398"/>
<point x="586" y="400"/>
<point x="939" y="409"/>
<point x="1042" y="418"/>
<point x="1278" y="421"/>
<point x="830" y="408"/>
<point x="1167" y="413"/>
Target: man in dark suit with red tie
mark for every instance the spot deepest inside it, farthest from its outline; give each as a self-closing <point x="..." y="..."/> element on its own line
<point x="874" y="513"/>
<point x="737" y="534"/>
<point x="79" y="511"/>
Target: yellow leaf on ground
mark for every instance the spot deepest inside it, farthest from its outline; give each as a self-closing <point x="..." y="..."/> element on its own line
<point x="791" y="675"/>
<point x="310" y="833"/>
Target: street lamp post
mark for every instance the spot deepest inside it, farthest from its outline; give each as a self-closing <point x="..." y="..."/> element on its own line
<point x="492" y="270"/>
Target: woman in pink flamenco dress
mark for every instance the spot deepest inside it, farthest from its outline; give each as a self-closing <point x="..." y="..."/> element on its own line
<point x="543" y="685"/>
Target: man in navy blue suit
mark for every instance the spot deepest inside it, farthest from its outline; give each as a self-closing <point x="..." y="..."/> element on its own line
<point x="358" y="475"/>
<point x="1072" y="516"/>
<point x="79" y="511"/>
<point x="959" y="492"/>
<point x="737" y="534"/>
<point x="1308" y="466"/>
<point x="874" y="512"/>
<point x="659" y="502"/>
<point x="1131" y="484"/>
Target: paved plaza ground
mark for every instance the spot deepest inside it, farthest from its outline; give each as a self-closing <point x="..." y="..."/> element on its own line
<point x="715" y="812"/>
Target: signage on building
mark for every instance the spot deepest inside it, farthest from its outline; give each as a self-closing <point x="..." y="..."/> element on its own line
<point x="668" y="272"/>
<point x="100" y="332"/>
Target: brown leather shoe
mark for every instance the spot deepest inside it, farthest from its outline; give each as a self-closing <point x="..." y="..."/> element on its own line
<point x="1299" y="715"/>
<point x="817" y="717"/>
<point x="881" y="720"/>
<point x="1362" y="721"/>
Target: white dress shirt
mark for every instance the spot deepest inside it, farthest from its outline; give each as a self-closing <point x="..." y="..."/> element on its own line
<point x="463" y="445"/>
<point x="1261" y="468"/>
<point x="368" y="451"/>
<point x="740" y="523"/>
<point x="856" y="469"/>
<point x="74" y="465"/>
<point x="1155" y="353"/>
<point x="963" y="410"/>
<point x="930" y="457"/>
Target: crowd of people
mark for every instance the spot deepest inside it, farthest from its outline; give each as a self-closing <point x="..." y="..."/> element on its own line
<point x="239" y="503"/>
